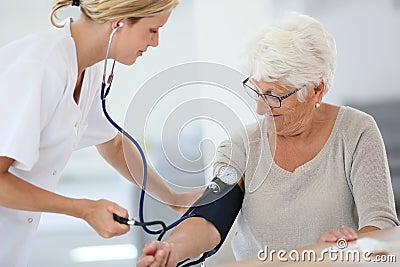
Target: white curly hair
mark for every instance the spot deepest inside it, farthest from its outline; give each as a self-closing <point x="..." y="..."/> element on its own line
<point x="297" y="52"/>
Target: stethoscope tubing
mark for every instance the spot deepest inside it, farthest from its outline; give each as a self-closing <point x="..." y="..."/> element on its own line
<point x="105" y="90"/>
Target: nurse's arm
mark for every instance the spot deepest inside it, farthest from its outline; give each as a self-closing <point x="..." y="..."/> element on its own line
<point x="115" y="151"/>
<point x="16" y="193"/>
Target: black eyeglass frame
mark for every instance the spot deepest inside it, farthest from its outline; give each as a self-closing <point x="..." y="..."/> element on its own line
<point x="263" y="96"/>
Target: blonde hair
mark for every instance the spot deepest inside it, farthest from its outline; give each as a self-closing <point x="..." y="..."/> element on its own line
<point x="106" y="10"/>
<point x="297" y="52"/>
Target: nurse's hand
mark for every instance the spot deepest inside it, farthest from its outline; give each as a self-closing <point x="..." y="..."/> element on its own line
<point x="99" y="215"/>
<point x="157" y="254"/>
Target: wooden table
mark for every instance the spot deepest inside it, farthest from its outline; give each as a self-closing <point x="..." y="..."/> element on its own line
<point x="391" y="237"/>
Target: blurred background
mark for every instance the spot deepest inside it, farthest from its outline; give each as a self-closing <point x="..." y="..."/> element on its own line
<point x="367" y="33"/>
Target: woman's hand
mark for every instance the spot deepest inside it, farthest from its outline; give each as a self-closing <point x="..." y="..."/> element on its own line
<point x="180" y="202"/>
<point x="334" y="235"/>
<point x="156" y="254"/>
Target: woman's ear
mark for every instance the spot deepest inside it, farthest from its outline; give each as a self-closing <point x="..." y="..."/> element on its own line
<point x="319" y="90"/>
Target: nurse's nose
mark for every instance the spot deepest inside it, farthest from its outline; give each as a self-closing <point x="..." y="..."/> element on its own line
<point x="154" y="40"/>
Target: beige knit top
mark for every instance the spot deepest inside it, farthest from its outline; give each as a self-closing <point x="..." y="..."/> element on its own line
<point x="346" y="183"/>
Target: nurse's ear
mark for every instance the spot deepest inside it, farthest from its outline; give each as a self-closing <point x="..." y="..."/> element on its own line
<point x="117" y="24"/>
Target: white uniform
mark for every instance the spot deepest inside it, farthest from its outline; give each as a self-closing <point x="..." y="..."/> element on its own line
<point x="41" y="124"/>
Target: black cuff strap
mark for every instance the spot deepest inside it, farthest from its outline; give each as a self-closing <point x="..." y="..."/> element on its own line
<point x="222" y="212"/>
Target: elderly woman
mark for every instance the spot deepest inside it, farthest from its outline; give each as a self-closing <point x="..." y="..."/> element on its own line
<point x="311" y="171"/>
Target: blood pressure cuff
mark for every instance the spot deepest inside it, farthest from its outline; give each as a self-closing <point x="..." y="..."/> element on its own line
<point x="221" y="212"/>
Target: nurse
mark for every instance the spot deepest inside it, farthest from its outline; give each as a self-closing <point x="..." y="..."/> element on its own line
<point x="50" y="106"/>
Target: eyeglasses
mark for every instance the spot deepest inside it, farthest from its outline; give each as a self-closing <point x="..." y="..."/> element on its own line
<point x="270" y="100"/>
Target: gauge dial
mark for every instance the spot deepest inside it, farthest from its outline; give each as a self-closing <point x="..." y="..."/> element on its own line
<point x="228" y="175"/>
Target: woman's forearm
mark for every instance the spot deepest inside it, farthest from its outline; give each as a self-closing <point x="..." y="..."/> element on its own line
<point x="193" y="237"/>
<point x="367" y="229"/>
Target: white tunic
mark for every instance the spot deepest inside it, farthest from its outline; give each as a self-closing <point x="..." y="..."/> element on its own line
<point x="41" y="124"/>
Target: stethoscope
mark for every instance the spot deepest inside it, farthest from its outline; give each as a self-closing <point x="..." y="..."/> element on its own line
<point x="105" y="90"/>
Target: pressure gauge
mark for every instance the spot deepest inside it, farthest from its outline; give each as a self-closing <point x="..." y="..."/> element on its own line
<point x="228" y="175"/>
